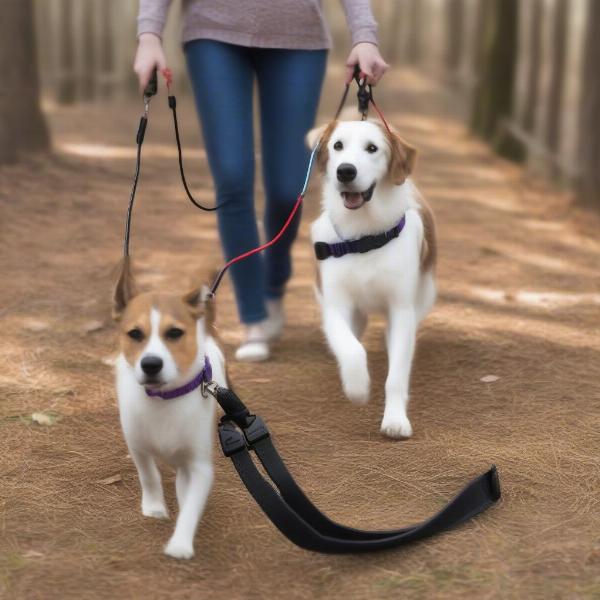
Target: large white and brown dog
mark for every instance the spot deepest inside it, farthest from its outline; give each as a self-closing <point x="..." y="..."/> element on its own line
<point x="367" y="192"/>
<point x="168" y="350"/>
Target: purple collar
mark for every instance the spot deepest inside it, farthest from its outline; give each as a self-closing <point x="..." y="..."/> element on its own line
<point x="359" y="246"/>
<point x="205" y="376"/>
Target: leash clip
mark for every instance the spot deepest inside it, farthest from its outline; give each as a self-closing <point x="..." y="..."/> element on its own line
<point x="364" y="94"/>
<point x="150" y="90"/>
<point x="206" y="390"/>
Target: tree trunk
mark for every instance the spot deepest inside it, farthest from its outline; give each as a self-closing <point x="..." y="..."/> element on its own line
<point x="557" y="81"/>
<point x="494" y="91"/>
<point x="455" y="18"/>
<point x="394" y="27"/>
<point x="589" y="126"/>
<point x="22" y="126"/>
<point x="66" y="89"/>
<point x="535" y="45"/>
<point x="413" y="46"/>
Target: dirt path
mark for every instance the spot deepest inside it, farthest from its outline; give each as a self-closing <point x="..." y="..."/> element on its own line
<point x="519" y="299"/>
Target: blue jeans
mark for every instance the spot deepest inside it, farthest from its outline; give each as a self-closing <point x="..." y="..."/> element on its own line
<point x="289" y="85"/>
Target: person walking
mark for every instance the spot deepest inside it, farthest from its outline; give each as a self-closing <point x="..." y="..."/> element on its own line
<point x="283" y="45"/>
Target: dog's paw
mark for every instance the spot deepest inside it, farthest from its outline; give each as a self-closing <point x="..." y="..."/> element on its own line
<point x="396" y="426"/>
<point x="155" y="510"/>
<point x="179" y="549"/>
<point x="357" y="389"/>
<point x="356" y="381"/>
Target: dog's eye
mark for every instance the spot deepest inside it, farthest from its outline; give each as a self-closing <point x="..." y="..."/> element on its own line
<point x="371" y="148"/>
<point x="174" y="333"/>
<point x="136" y="334"/>
<point x="338" y="146"/>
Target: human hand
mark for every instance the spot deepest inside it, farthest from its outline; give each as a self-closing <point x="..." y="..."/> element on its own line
<point x="149" y="55"/>
<point x="370" y="61"/>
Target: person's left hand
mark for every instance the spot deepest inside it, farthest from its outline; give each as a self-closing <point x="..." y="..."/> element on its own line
<point x="370" y="61"/>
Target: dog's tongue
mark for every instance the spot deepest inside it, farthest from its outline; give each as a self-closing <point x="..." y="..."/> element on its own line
<point x="352" y="199"/>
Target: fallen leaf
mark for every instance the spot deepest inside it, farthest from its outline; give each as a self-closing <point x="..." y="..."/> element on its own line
<point x="111" y="361"/>
<point x="110" y="480"/>
<point x="32" y="554"/>
<point x="43" y="418"/>
<point x="35" y="325"/>
<point x="92" y="326"/>
<point x="63" y="391"/>
<point x="489" y="378"/>
<point x="260" y="380"/>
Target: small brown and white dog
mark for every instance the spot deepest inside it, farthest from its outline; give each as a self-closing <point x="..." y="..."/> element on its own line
<point x="168" y="349"/>
<point x="367" y="192"/>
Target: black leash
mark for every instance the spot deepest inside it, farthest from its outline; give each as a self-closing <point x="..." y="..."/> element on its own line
<point x="150" y="91"/>
<point x="296" y="517"/>
<point x="281" y="499"/>
<point x="364" y="96"/>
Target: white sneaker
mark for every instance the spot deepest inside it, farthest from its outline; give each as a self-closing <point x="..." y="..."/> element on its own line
<point x="255" y="347"/>
<point x="273" y="324"/>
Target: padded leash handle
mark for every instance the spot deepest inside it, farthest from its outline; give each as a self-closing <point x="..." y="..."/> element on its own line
<point x="296" y="517"/>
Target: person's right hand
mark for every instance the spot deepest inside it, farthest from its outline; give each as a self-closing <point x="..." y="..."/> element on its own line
<point x="149" y="55"/>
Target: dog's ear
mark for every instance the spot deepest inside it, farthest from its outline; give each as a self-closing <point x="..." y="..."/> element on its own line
<point x="202" y="303"/>
<point x="124" y="289"/>
<point x="403" y="156"/>
<point x="314" y="135"/>
<point x="321" y="134"/>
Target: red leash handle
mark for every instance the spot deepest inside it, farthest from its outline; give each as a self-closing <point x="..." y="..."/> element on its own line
<point x="168" y="77"/>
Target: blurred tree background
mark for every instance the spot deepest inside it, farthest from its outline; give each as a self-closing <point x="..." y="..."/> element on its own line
<point x="526" y="73"/>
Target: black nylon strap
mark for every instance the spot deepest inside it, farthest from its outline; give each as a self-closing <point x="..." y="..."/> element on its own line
<point x="361" y="245"/>
<point x="303" y="523"/>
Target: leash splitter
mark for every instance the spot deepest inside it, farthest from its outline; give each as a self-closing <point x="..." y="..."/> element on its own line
<point x="293" y="513"/>
<point x="282" y="499"/>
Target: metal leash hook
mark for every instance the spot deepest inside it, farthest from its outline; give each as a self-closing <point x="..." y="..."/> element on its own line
<point x="364" y="94"/>
<point x="205" y="389"/>
<point x="150" y="90"/>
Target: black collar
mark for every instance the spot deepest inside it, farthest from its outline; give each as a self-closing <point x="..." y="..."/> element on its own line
<point x="359" y="246"/>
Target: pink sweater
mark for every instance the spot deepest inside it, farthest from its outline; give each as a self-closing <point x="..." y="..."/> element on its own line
<point x="263" y="23"/>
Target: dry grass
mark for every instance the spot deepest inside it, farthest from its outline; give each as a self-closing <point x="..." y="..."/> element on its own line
<point x="65" y="534"/>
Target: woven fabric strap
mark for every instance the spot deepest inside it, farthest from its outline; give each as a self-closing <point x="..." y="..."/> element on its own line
<point x="284" y="502"/>
<point x="359" y="246"/>
<point x="204" y="376"/>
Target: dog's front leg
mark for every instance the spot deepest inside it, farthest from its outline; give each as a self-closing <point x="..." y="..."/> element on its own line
<point x="401" y="334"/>
<point x="349" y="352"/>
<point x="153" y="501"/>
<point x="194" y="493"/>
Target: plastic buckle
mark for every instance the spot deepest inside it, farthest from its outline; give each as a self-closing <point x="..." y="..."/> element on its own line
<point x="152" y="86"/>
<point x="231" y="438"/>
<point x="364" y="96"/>
<point x="256" y="431"/>
<point x="322" y="250"/>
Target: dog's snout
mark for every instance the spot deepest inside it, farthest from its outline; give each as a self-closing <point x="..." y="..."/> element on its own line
<point x="346" y="172"/>
<point x="152" y="364"/>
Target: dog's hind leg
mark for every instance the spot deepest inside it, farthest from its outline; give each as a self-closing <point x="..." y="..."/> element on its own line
<point x="401" y="335"/>
<point x="153" y="501"/>
<point x="426" y="294"/>
<point x="200" y="477"/>
<point x="350" y="354"/>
